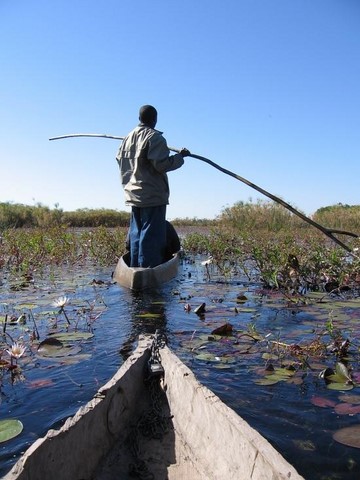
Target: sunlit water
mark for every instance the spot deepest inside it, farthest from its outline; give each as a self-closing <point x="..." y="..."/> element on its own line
<point x="50" y="391"/>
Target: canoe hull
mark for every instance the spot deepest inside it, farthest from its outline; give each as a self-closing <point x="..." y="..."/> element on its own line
<point x="206" y="441"/>
<point x="145" y="278"/>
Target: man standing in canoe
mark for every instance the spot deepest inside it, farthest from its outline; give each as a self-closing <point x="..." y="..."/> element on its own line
<point x="144" y="158"/>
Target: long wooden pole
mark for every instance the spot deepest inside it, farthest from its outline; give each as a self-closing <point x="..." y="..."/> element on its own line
<point x="326" y="231"/>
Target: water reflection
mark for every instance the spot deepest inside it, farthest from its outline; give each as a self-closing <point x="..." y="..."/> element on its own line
<point x="147" y="313"/>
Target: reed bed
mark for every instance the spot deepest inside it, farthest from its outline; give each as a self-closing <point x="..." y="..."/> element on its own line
<point x="261" y="240"/>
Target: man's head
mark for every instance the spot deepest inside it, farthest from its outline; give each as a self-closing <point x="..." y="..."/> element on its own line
<point x="148" y="115"/>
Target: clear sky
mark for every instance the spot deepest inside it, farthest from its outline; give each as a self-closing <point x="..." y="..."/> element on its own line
<point x="268" y="89"/>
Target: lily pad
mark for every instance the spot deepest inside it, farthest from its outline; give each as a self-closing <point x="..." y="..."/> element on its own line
<point x="53" y="347"/>
<point x="269" y="356"/>
<point x="206" y="357"/>
<point x="349" y="436"/>
<point x="50" y="343"/>
<point x="284" y="372"/>
<point x="62" y="352"/>
<point x="322" y="402"/>
<point x="266" y="381"/>
<point x="354" y="399"/>
<point x="23" y="306"/>
<point x="225" y="329"/>
<point x="341" y="374"/>
<point x="72" y="336"/>
<point x="223" y="366"/>
<point x="209" y="357"/>
<point x="213" y="337"/>
<point x="339" y="386"/>
<point x="347" y="409"/>
<point x="9" y="429"/>
<point x="296" y="380"/>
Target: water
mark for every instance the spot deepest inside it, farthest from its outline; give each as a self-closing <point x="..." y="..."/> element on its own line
<point x="283" y="413"/>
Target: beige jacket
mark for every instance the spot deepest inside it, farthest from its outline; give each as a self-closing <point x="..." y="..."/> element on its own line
<point x="144" y="158"/>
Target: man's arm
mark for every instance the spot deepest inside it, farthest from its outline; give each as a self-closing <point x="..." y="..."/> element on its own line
<point x="159" y="155"/>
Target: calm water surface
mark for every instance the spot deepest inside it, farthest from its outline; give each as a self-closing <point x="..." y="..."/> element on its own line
<point x="50" y="391"/>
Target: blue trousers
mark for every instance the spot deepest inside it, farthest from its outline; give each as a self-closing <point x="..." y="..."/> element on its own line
<point x="147" y="236"/>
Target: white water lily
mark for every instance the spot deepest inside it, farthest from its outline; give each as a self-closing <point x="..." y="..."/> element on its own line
<point x="17" y="350"/>
<point x="207" y="262"/>
<point x="61" y="302"/>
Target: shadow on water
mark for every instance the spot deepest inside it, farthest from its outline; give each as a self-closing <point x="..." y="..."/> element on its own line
<point x="147" y="312"/>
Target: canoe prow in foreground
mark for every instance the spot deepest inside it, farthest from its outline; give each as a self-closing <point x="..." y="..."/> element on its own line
<point x="206" y="441"/>
<point x="142" y="278"/>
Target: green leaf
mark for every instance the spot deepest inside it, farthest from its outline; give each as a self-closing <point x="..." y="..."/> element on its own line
<point x="24" y="306"/>
<point x="266" y="381"/>
<point x="223" y="366"/>
<point x="9" y="429"/>
<point x="206" y="357"/>
<point x="341" y="370"/>
<point x="339" y="386"/>
<point x="269" y="356"/>
<point x="53" y="347"/>
<point x="284" y="372"/>
<point x="50" y="352"/>
<point x="72" y="336"/>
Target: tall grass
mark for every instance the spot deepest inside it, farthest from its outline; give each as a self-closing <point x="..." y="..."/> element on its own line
<point x="26" y="250"/>
<point x="262" y="237"/>
<point x="341" y="217"/>
<point x="283" y="250"/>
<point x="273" y="217"/>
<point x="24" y="216"/>
<point x="16" y="215"/>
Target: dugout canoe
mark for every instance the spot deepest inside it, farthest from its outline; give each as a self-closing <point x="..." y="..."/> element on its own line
<point x="204" y="439"/>
<point x="138" y="278"/>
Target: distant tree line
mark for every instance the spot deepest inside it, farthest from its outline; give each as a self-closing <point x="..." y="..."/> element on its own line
<point x="270" y="216"/>
<point x="340" y="216"/>
<point x="16" y="215"/>
<point x="244" y="216"/>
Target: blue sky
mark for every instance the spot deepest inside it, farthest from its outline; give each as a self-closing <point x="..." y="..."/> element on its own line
<point x="268" y="89"/>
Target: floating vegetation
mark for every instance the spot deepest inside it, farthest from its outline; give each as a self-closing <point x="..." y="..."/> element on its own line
<point x="349" y="436"/>
<point x="10" y="428"/>
<point x="29" y="331"/>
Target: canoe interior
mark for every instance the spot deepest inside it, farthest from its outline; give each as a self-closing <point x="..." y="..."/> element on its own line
<point x="204" y="439"/>
<point x="145" y="278"/>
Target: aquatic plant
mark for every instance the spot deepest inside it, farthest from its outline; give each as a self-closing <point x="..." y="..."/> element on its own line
<point x="16" y="351"/>
<point x="293" y="260"/>
<point x="60" y="303"/>
<point x="27" y="252"/>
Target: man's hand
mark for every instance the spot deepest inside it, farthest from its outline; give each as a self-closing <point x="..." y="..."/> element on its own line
<point x="185" y="152"/>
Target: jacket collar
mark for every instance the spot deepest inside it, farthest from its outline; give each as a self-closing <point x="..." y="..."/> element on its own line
<point x="143" y="125"/>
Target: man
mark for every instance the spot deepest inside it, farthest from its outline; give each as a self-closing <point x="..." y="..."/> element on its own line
<point x="144" y="158"/>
